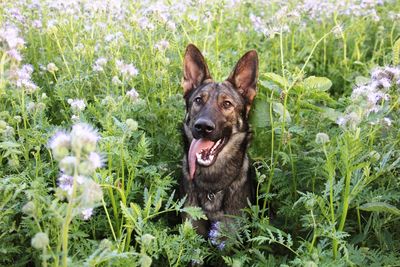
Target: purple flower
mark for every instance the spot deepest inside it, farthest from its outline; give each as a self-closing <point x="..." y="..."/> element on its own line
<point x="221" y="245"/>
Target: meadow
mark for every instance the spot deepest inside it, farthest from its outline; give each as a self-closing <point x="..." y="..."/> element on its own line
<point x="91" y="109"/>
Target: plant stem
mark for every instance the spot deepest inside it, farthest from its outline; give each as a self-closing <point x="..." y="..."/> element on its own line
<point x="68" y="216"/>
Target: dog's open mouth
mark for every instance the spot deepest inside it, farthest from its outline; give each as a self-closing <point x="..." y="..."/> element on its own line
<point x="205" y="152"/>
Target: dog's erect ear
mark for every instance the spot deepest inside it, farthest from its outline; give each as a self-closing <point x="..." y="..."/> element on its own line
<point x="195" y="70"/>
<point x="244" y="77"/>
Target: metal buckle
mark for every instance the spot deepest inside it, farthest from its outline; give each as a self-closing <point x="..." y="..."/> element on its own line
<point x="210" y="196"/>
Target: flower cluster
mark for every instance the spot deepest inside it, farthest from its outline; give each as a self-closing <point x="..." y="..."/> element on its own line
<point x="127" y="70"/>
<point x="161" y="45"/>
<point x="214" y="235"/>
<point x="12" y="42"/>
<point x="21" y="78"/>
<point x="99" y="64"/>
<point x="78" y="160"/>
<point x="77" y="105"/>
<point x="132" y="95"/>
<point x="371" y="97"/>
<point x="309" y="11"/>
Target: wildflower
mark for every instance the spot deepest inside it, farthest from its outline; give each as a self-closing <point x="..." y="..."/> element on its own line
<point x="221" y="245"/>
<point x="95" y="160"/>
<point x="37" y="24"/>
<point x="30" y="106"/>
<point x="321" y="138"/>
<point x="99" y="64"/>
<point x="40" y="240"/>
<point x="146" y="239"/>
<point x="77" y="105"/>
<point x="214" y="235"/>
<point x="350" y="120"/>
<point x="65" y="182"/>
<point x="51" y="67"/>
<point x="83" y="136"/>
<point x="14" y="54"/>
<point x="87" y="213"/>
<point x="337" y="31"/>
<point x="29" y="208"/>
<point x="9" y="132"/>
<point x="126" y="69"/>
<point x="67" y="164"/>
<point x="18" y="119"/>
<point x="91" y="193"/>
<point x="60" y="144"/>
<point x="133" y="95"/>
<point x="145" y="24"/>
<point x="171" y="25"/>
<point x="29" y="86"/>
<point x="387" y="121"/>
<point x="132" y="124"/>
<point x="79" y="47"/>
<point x="161" y="45"/>
<point x="75" y="118"/>
<point x="3" y="125"/>
<point x="115" y="80"/>
<point x="10" y="35"/>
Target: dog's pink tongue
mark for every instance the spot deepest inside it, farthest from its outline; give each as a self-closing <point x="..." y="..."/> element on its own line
<point x="195" y="147"/>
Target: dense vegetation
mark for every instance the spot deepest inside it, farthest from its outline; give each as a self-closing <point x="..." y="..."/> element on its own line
<point x="90" y="142"/>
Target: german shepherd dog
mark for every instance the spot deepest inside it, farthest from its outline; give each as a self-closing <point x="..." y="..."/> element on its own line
<point x="217" y="174"/>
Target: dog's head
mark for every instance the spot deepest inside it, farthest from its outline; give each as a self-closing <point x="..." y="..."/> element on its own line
<point x="215" y="110"/>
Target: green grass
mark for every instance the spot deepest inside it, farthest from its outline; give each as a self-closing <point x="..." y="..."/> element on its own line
<point x="324" y="200"/>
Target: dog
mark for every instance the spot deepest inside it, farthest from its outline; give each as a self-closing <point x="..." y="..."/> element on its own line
<point x="217" y="174"/>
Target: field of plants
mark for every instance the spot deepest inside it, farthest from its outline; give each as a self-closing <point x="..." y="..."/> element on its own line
<point x="91" y="110"/>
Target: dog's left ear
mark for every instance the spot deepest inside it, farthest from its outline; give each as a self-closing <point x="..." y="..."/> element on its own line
<point x="244" y="77"/>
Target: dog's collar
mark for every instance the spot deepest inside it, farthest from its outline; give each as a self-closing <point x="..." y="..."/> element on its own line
<point x="211" y="195"/>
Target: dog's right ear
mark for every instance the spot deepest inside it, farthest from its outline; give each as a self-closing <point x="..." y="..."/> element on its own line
<point x="195" y="70"/>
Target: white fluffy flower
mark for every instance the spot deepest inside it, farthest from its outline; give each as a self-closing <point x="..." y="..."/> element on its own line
<point x="77" y="105"/>
<point x="133" y="95"/>
<point x="95" y="160"/>
<point x="83" y="136"/>
<point x="99" y="64"/>
<point x="60" y="140"/>
<point x="127" y="70"/>
<point x="87" y="213"/>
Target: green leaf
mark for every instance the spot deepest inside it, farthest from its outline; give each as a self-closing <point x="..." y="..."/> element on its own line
<point x="318" y="83"/>
<point x="380" y="207"/>
<point x="194" y="212"/>
<point x="361" y="80"/>
<point x="331" y="114"/>
<point x="260" y="114"/>
<point x="280" y="110"/>
<point x="396" y="52"/>
<point x="276" y="79"/>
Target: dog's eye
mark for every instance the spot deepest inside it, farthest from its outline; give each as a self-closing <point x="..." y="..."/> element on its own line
<point x="198" y="100"/>
<point x="227" y="104"/>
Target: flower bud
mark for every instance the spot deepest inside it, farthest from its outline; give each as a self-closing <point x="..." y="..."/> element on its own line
<point x="29" y="208"/>
<point x="321" y="138"/>
<point x="40" y="240"/>
<point x="51" y="67"/>
<point x="146" y="239"/>
<point x="3" y="125"/>
<point x="67" y="165"/>
<point x="132" y="124"/>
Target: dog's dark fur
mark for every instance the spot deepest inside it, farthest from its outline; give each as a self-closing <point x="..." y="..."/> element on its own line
<point x="224" y="187"/>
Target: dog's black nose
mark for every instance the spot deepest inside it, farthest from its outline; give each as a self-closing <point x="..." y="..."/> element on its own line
<point x="204" y="127"/>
